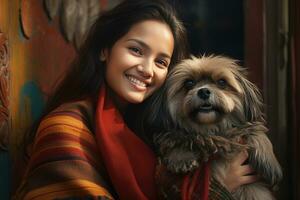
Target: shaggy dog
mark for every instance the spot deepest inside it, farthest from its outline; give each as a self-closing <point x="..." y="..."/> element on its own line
<point x="209" y="109"/>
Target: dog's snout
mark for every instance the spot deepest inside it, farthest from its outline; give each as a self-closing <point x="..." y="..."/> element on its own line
<point x="204" y="93"/>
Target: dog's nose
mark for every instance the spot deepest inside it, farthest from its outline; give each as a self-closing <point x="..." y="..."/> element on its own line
<point x="204" y="93"/>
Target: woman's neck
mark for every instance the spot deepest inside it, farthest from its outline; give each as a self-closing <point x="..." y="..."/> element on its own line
<point x="120" y="103"/>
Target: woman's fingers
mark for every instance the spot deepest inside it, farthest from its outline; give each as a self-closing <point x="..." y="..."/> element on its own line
<point x="238" y="173"/>
<point x="241" y="158"/>
<point x="246" y="170"/>
<point x="249" y="179"/>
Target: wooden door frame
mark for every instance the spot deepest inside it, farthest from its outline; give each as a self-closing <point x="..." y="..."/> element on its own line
<point x="266" y="57"/>
<point x="294" y="97"/>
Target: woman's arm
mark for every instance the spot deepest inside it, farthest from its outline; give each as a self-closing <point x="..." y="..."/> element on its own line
<point x="218" y="192"/>
<point x="65" y="162"/>
<point x="238" y="174"/>
<point x="170" y="184"/>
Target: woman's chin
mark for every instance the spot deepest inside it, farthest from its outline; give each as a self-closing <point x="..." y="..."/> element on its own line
<point x="136" y="97"/>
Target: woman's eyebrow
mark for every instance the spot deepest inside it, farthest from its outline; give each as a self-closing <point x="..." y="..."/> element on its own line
<point x="146" y="46"/>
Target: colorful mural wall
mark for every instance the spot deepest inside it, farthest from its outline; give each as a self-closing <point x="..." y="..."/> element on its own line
<point x="41" y="38"/>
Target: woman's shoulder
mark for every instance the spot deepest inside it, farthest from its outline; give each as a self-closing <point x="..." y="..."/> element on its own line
<point x="77" y="113"/>
<point x="83" y="107"/>
<point x="67" y="124"/>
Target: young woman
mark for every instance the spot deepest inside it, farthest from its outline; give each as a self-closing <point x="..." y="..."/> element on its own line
<point x="82" y="148"/>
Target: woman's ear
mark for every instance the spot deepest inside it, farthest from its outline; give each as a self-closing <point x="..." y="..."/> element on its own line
<point x="103" y="54"/>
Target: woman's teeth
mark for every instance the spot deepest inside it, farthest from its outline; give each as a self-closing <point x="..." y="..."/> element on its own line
<point x="136" y="81"/>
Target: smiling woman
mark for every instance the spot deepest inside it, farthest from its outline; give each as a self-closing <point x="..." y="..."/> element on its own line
<point x="138" y="62"/>
<point x="81" y="146"/>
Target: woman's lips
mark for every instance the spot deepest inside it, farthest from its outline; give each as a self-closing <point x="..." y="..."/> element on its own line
<point x="136" y="82"/>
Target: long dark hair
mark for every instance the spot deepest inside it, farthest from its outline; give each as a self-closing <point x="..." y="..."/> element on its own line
<point x="86" y="74"/>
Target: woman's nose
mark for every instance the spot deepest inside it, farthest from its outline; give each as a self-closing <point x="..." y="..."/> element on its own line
<point x="146" y="69"/>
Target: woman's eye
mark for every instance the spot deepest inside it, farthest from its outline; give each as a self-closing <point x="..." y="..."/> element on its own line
<point x="135" y="50"/>
<point x="162" y="63"/>
<point x="222" y="83"/>
<point x="189" y="84"/>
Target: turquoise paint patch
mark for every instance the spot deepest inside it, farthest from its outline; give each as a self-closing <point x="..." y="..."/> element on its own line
<point x="31" y="91"/>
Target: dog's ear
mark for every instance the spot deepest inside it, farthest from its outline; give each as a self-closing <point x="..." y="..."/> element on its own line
<point x="155" y="116"/>
<point x="252" y="98"/>
<point x="157" y="111"/>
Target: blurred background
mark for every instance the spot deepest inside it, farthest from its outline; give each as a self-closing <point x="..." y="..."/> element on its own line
<point x="39" y="38"/>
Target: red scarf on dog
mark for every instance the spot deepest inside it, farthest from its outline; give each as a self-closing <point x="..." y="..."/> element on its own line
<point x="128" y="160"/>
<point x="196" y="183"/>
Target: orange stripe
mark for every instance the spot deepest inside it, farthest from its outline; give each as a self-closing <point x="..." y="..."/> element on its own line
<point x="62" y="119"/>
<point x="65" y="129"/>
<point x="64" y="138"/>
<point x="69" y="144"/>
<point x="83" y="156"/>
<point x="66" y="124"/>
<point x="64" y="143"/>
<point x="69" y="188"/>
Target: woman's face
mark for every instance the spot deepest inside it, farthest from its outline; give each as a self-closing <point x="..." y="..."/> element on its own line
<point x="137" y="64"/>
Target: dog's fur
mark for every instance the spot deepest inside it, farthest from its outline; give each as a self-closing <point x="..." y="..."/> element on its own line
<point x="209" y="109"/>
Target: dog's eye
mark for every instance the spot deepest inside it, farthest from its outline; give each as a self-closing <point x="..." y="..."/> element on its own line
<point x="222" y="83"/>
<point x="189" y="84"/>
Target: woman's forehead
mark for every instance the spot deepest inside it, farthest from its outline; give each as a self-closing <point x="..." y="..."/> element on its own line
<point x="153" y="33"/>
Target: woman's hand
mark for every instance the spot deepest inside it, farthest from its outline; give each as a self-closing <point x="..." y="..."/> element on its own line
<point x="239" y="174"/>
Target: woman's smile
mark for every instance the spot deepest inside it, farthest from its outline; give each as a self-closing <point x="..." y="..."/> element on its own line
<point x="136" y="82"/>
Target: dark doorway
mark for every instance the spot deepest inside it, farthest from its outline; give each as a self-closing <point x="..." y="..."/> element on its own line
<point x="214" y="26"/>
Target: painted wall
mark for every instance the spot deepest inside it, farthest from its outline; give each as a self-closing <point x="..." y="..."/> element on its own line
<point x="38" y="55"/>
<point x="41" y="38"/>
<point x="35" y="62"/>
<point x="41" y="45"/>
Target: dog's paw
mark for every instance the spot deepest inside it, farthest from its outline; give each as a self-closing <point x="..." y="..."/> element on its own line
<point x="275" y="175"/>
<point x="179" y="161"/>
